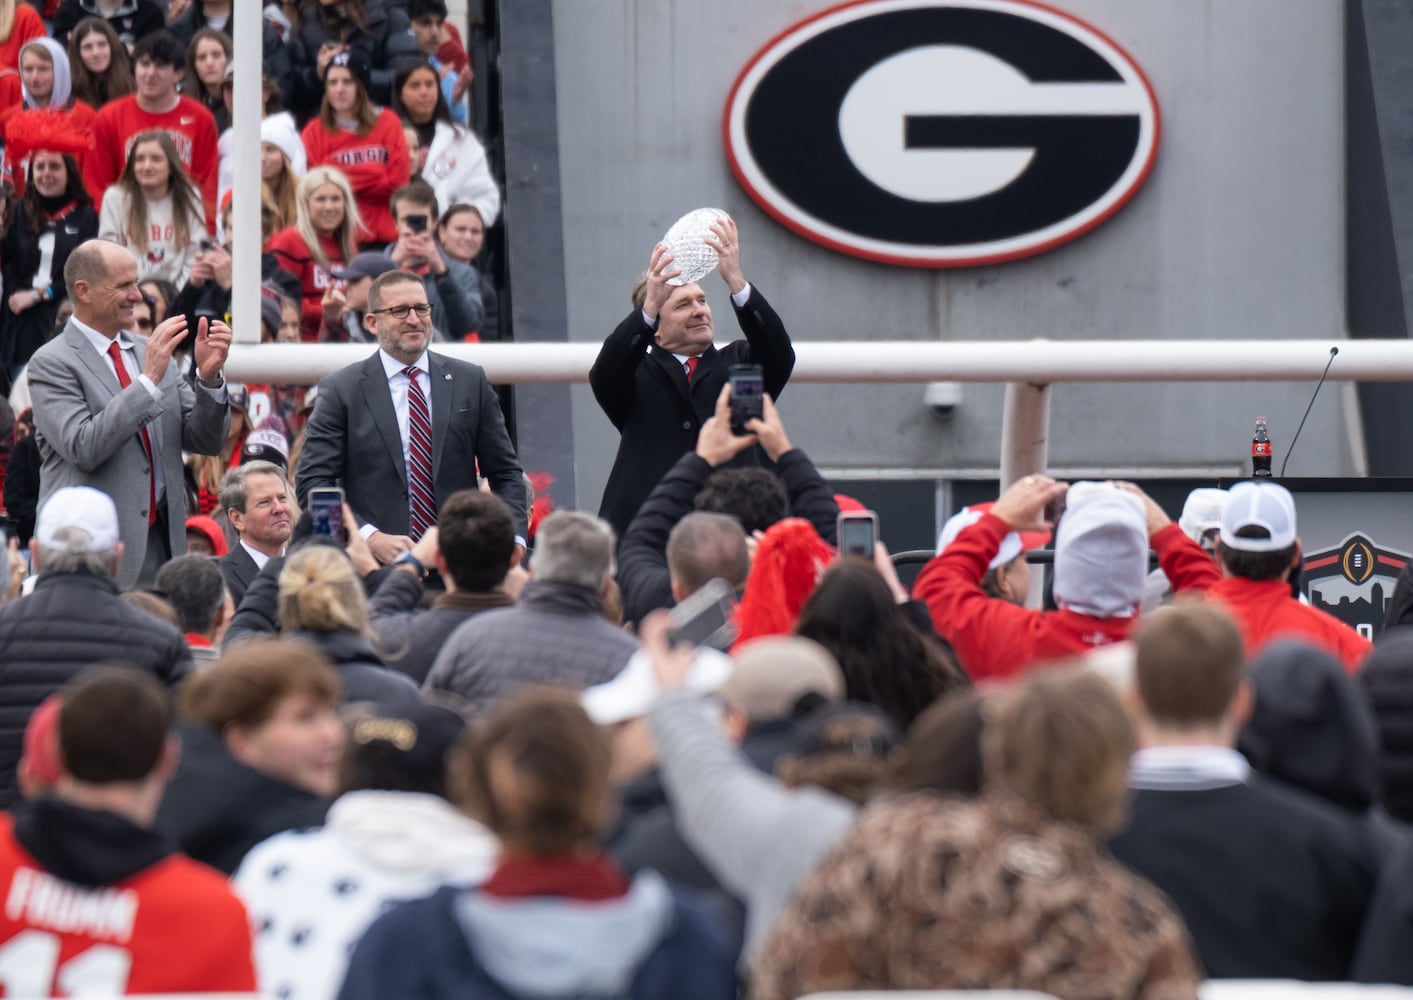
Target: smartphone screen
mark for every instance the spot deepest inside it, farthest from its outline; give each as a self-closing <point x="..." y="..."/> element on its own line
<point x="705" y="617"/>
<point x="858" y="530"/>
<point x="417" y="223"/>
<point x="747" y="396"/>
<point x="326" y="512"/>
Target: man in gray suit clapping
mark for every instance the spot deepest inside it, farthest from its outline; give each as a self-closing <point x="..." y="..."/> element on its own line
<point x="112" y="412"/>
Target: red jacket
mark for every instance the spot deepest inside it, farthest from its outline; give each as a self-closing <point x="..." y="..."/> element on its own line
<point x="1265" y="611"/>
<point x="997" y="640"/>
<point x="174" y="927"/>
<point x="376" y="165"/>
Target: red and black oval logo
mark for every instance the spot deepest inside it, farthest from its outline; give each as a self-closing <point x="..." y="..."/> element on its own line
<point x="941" y="133"/>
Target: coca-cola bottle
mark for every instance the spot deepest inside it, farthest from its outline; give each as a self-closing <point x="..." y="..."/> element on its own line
<point x="1261" y="451"/>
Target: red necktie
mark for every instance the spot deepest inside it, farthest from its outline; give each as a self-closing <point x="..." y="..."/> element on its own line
<point x="116" y="353"/>
<point x="691" y="367"/>
<point x="420" y="485"/>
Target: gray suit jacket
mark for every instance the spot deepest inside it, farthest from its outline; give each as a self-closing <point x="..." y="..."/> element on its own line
<point x="352" y="441"/>
<point x="87" y="428"/>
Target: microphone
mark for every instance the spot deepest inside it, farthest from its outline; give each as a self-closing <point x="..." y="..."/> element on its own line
<point x="1333" y="352"/>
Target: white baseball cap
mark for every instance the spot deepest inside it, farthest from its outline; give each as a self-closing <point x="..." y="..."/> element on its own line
<point x="82" y="507"/>
<point x="1203" y="512"/>
<point x="1259" y="505"/>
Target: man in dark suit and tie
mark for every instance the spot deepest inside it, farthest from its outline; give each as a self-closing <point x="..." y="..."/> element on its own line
<point x="658" y="374"/>
<point x="407" y="428"/>
<point x="256" y="500"/>
<point x="111" y="411"/>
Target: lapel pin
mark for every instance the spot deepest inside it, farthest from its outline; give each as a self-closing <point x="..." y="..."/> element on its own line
<point x="447" y="376"/>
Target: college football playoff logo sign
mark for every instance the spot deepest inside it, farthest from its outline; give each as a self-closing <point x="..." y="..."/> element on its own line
<point x="1353" y="581"/>
<point x="941" y="133"/>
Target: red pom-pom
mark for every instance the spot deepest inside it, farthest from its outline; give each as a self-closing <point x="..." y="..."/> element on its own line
<point x="40" y="128"/>
<point x="786" y="567"/>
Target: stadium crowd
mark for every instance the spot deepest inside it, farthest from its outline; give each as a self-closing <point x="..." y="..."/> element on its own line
<point x="300" y="694"/>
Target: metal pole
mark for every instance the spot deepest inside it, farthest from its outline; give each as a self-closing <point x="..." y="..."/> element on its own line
<point x="1025" y="431"/>
<point x="1035" y="363"/>
<point x="248" y="26"/>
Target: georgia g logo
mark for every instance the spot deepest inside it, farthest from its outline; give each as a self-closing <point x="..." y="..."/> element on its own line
<point x="941" y="133"/>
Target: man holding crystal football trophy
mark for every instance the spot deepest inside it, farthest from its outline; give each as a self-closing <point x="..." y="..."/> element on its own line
<point x="658" y="375"/>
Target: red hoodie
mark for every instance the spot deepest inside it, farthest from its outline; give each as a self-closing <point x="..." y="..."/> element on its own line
<point x="376" y="165"/>
<point x="997" y="640"/>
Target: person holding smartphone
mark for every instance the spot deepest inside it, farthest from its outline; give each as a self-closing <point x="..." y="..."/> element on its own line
<point x="453" y="288"/>
<point x="658" y="375"/>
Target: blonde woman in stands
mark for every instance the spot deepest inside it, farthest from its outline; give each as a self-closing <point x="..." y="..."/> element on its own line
<point x="324" y="237"/>
<point x="155" y="211"/>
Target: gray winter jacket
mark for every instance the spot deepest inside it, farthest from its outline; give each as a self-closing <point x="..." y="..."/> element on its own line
<point x="555" y="634"/>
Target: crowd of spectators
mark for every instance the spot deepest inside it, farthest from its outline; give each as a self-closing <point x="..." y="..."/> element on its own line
<point x="423" y="750"/>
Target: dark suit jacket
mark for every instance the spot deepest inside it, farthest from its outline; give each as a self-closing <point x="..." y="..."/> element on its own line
<point x="647" y="396"/>
<point x="87" y="426"/>
<point x="238" y="569"/>
<point x="352" y="441"/>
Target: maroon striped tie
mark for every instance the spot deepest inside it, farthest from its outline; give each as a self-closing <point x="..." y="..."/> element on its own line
<point x="419" y="451"/>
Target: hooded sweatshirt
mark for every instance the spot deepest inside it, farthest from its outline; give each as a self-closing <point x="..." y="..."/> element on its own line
<point x="71" y="115"/>
<point x="1311" y="726"/>
<point x="312" y="893"/>
<point x="996" y="640"/>
<point x="640" y="942"/>
<point x="83" y="882"/>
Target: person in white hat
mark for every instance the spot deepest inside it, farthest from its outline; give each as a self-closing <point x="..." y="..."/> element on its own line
<point x="1258" y="549"/>
<point x="73" y="619"/>
<point x="1101" y="560"/>
<point x="1201" y="519"/>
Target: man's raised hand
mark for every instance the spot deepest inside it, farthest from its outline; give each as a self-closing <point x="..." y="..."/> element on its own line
<point x="160" y="345"/>
<point x="727" y="244"/>
<point x="660" y="268"/>
<point x="213" y="344"/>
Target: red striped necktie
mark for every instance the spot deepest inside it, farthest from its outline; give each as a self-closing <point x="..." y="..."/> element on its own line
<point x="421" y="487"/>
<point x="691" y="364"/>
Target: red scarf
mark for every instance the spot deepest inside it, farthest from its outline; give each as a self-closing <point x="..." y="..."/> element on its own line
<point x="590" y="879"/>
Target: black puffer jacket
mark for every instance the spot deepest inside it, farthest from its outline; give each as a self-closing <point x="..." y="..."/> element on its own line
<point x="1387" y="679"/>
<point x="387" y="40"/>
<point x="70" y="622"/>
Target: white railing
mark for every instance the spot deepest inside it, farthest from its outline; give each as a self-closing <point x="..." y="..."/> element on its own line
<point x="1036" y="362"/>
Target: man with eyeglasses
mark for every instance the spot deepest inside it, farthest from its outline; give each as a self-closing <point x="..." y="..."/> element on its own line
<point x="405" y="429"/>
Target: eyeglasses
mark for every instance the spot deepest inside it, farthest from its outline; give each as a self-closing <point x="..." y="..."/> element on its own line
<point x="422" y="309"/>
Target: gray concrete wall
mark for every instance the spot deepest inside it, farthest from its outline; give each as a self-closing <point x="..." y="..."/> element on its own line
<point x="1237" y="233"/>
